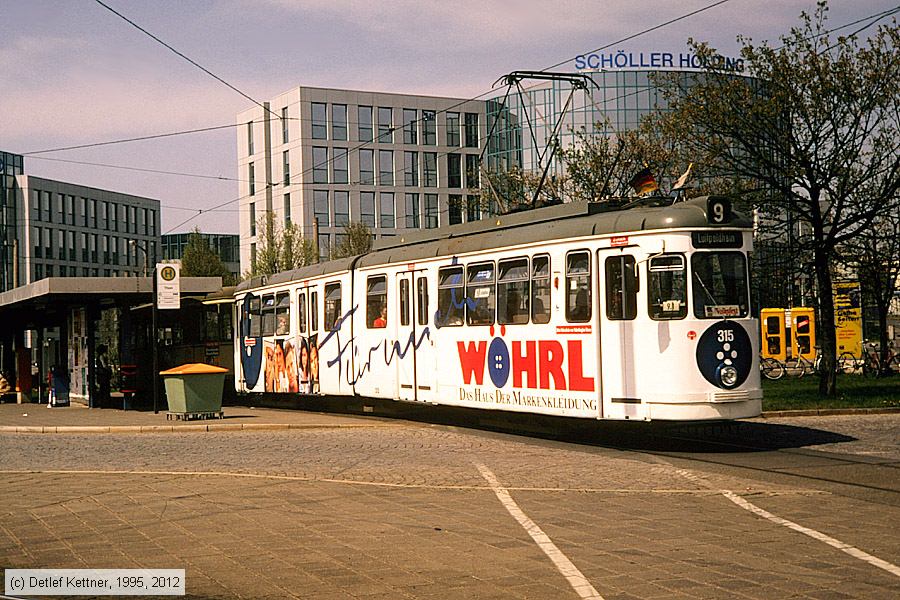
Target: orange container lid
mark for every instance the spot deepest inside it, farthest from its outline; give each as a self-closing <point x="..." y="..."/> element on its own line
<point x="194" y="369"/>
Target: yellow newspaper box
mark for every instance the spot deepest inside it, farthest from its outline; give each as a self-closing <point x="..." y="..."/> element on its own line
<point x="803" y="326"/>
<point x="773" y="334"/>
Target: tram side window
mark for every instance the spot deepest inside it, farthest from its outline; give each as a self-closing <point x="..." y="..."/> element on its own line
<point x="451" y="296"/>
<point x="282" y="313"/>
<point x="719" y="285"/>
<point x="667" y="297"/>
<point x="314" y="311"/>
<point x="404" y="302"/>
<point x="621" y="288"/>
<point x="332" y="305"/>
<point x="540" y="289"/>
<point x="422" y="300"/>
<point x="255" y="318"/>
<point x="376" y="302"/>
<point x="578" y="287"/>
<point x="512" y="291"/>
<point x="480" y="294"/>
<point x="301" y="312"/>
<point x="268" y="315"/>
<point x="802" y="334"/>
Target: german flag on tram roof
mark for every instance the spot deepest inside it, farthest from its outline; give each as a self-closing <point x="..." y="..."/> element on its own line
<point x="644" y="182"/>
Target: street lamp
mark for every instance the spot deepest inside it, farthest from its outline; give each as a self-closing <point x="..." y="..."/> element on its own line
<point x="154" y="335"/>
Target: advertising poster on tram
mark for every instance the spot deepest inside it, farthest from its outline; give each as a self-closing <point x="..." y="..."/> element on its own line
<point x="848" y="317"/>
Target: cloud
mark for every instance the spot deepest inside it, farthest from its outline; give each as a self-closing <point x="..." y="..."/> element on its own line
<point x="32" y="51"/>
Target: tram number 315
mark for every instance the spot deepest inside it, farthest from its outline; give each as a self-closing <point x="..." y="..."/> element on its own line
<point x="726" y="335"/>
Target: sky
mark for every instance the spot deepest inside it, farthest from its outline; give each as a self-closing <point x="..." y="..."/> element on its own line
<point x="74" y="73"/>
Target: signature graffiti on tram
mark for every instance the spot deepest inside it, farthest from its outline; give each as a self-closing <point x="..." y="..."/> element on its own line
<point x="341" y="350"/>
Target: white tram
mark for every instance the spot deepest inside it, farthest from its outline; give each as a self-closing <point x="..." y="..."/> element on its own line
<point x="571" y="310"/>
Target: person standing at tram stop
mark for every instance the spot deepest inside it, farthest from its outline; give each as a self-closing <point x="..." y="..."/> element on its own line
<point x="381" y="321"/>
<point x="104" y="375"/>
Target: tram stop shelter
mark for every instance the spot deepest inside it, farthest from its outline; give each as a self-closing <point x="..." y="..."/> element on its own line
<point x="67" y="322"/>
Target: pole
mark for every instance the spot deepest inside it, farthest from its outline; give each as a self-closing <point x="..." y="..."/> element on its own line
<point x="155" y="343"/>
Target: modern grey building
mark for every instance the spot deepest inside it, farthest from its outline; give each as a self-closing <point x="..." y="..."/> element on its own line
<point x="58" y="229"/>
<point x="330" y="156"/>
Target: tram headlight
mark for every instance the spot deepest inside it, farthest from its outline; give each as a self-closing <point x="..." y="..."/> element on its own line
<point x="728" y="375"/>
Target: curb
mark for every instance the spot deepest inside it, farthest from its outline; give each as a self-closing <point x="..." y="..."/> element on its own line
<point x="822" y="412"/>
<point x="214" y="427"/>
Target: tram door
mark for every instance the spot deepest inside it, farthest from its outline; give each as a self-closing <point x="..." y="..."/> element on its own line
<point x="618" y="286"/>
<point x="412" y="346"/>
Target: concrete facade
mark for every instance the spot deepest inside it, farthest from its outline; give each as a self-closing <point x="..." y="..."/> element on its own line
<point x="391" y="161"/>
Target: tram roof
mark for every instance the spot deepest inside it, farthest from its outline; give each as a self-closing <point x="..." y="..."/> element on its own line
<point x="570" y="220"/>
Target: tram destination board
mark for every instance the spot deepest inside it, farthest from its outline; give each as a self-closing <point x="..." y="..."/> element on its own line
<point x="717" y="239"/>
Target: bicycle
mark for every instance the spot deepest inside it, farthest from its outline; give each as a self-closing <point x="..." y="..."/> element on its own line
<point x="801" y="366"/>
<point x="771" y="368"/>
<point x="872" y="365"/>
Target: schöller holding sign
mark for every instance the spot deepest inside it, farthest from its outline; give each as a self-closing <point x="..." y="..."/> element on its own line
<point x="168" y="286"/>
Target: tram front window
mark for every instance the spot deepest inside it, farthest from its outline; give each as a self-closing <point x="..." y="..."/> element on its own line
<point x="667" y="296"/>
<point x="719" y="285"/>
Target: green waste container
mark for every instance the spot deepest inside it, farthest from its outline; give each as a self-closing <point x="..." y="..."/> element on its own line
<point x="194" y="388"/>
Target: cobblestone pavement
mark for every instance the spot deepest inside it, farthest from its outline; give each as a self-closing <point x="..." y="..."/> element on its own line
<point x="403" y="512"/>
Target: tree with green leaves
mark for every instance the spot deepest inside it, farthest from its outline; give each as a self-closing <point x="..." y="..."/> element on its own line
<point x="200" y="260"/>
<point x="817" y="130"/>
<point x="279" y="248"/>
<point x="357" y="240"/>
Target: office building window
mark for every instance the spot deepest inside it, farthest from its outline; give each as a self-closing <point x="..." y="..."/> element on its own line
<point x="104" y="214"/>
<point x="410" y="126"/>
<point x="284" y="125"/>
<point x="473" y="179"/>
<point x="429" y="169"/>
<point x="341" y="208"/>
<point x="366" y="167"/>
<point x="339" y="122"/>
<point x="152" y="222"/>
<point x="453" y="129"/>
<point x="146" y="215"/>
<point x="319" y="121"/>
<point x="82" y="212"/>
<point x="455" y="209"/>
<point x="287" y="209"/>
<point x="324" y="246"/>
<point x="320" y="165"/>
<point x="35" y="205"/>
<point x="432" y="209"/>
<point x="84" y="247"/>
<point x="61" y="244"/>
<point x="132" y="210"/>
<point x="48" y="242"/>
<point x="385" y="124"/>
<point x="94" y="247"/>
<point x="367" y="208"/>
<point x="286" y="167"/>
<point x="365" y="123"/>
<point x="253" y="256"/>
<point x="70" y="209"/>
<point x="250" y="138"/>
<point x="471" y="130"/>
<point x="61" y="209"/>
<point x="48" y="207"/>
<point x="386" y="210"/>
<point x="385" y="167"/>
<point x="411" y="168"/>
<point x="251" y="176"/>
<point x="339" y="166"/>
<point x="454" y="176"/>
<point x="70" y="244"/>
<point x="37" y="243"/>
<point x="38" y="271"/>
<point x="412" y="211"/>
<point x="114" y="216"/>
<point x="473" y="208"/>
<point x="429" y="128"/>
<point x="320" y="207"/>
<point x="252" y="219"/>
